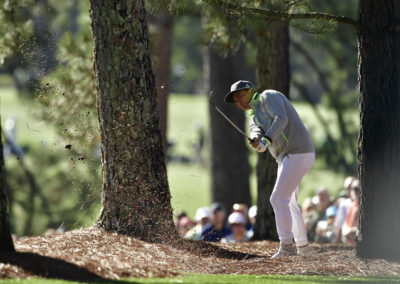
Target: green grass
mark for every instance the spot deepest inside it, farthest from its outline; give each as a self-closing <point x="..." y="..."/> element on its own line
<point x="228" y="278"/>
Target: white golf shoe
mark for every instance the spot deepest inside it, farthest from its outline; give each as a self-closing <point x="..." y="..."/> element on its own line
<point x="285" y="250"/>
<point x="305" y="250"/>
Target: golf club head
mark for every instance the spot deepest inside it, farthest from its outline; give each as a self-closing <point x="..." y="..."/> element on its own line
<point x="210" y="97"/>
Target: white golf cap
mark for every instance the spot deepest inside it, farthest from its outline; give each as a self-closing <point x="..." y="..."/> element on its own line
<point x="253" y="211"/>
<point x="348" y="181"/>
<point x="236" y="218"/>
<point x="202" y="212"/>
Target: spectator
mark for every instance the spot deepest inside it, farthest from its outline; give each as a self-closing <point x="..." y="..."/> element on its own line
<point x="322" y="199"/>
<point x="343" y="206"/>
<point x="219" y="229"/>
<point x="349" y="229"/>
<point x="239" y="232"/>
<point x="243" y="209"/>
<point x="203" y="223"/>
<point x="325" y="230"/>
<point x="310" y="217"/>
<point x="253" y="215"/>
<point x="184" y="224"/>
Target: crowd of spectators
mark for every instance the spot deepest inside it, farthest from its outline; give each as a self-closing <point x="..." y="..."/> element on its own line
<point x="210" y="224"/>
<point x="327" y="220"/>
<point x="333" y="221"/>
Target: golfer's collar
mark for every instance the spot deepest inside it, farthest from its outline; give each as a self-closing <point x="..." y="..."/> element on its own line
<point x="253" y="103"/>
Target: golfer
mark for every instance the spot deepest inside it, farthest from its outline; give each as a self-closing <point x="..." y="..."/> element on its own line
<point x="276" y="125"/>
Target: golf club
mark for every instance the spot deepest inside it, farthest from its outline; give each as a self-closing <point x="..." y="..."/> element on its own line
<point x="227" y="118"/>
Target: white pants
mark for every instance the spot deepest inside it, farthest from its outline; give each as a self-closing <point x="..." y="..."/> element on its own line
<point x="289" y="221"/>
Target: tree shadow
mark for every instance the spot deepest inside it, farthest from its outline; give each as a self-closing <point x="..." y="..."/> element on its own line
<point x="48" y="267"/>
<point x="206" y="249"/>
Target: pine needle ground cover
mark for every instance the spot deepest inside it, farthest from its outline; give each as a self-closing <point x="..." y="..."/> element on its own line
<point x="93" y="255"/>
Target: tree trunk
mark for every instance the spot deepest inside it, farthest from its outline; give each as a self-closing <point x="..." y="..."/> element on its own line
<point x="230" y="168"/>
<point x="135" y="193"/>
<point x="6" y="243"/>
<point x="379" y="137"/>
<point x="272" y="73"/>
<point x="162" y="70"/>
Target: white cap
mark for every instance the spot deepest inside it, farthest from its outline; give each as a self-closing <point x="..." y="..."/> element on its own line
<point x="253" y="211"/>
<point x="202" y="212"/>
<point x="348" y="181"/>
<point x="355" y="183"/>
<point x="236" y="218"/>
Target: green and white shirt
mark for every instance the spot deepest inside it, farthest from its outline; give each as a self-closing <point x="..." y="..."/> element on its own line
<point x="273" y="116"/>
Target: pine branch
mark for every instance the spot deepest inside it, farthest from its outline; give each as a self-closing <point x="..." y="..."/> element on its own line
<point x="288" y="16"/>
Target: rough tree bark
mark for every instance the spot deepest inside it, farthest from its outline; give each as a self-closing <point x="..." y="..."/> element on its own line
<point x="230" y="168"/>
<point x="272" y="73"/>
<point x="135" y="193"/>
<point x="162" y="70"/>
<point x="6" y="243"/>
<point x="379" y="137"/>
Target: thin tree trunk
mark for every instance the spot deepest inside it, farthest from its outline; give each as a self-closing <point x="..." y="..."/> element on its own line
<point x="6" y="243"/>
<point x="272" y="73"/>
<point x="135" y="194"/>
<point x="379" y="137"/>
<point x="230" y="168"/>
<point x="162" y="70"/>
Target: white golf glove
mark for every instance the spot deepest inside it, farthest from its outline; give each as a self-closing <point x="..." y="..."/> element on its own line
<point x="262" y="145"/>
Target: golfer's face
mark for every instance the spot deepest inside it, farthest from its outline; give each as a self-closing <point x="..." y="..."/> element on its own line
<point x="241" y="99"/>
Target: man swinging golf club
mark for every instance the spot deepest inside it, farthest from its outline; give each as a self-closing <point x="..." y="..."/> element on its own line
<point x="276" y="125"/>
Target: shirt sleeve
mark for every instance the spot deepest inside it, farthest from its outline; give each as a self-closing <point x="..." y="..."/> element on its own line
<point x="255" y="130"/>
<point x="274" y="105"/>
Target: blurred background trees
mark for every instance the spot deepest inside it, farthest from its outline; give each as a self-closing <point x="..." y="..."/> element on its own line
<point x="57" y="129"/>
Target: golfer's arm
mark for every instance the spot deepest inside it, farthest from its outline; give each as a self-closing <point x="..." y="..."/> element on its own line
<point x="275" y="107"/>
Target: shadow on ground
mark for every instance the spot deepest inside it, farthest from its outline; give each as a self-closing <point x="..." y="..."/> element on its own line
<point x="47" y="267"/>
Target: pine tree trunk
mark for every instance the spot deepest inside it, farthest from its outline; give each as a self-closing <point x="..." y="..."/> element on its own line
<point x="379" y="137"/>
<point x="135" y="194"/>
<point x="6" y="243"/>
<point x="230" y="168"/>
<point x="272" y="73"/>
<point x="162" y="70"/>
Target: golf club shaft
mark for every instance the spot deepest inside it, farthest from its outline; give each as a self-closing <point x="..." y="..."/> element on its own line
<point x="230" y="121"/>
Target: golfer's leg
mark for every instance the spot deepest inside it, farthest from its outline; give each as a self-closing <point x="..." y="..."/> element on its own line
<point x="298" y="226"/>
<point x="289" y="177"/>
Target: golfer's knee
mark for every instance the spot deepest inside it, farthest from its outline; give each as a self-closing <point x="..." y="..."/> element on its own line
<point x="278" y="201"/>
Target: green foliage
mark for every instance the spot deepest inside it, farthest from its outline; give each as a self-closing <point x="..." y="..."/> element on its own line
<point x="186" y="58"/>
<point x="15" y="27"/>
<point x="68" y="94"/>
<point x="68" y="181"/>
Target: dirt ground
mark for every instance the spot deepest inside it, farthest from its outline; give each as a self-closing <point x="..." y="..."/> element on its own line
<point x="95" y="254"/>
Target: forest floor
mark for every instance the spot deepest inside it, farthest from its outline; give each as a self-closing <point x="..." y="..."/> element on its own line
<point x="94" y="254"/>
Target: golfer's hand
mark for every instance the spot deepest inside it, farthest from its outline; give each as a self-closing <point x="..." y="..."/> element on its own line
<point x="262" y="145"/>
<point x="254" y="142"/>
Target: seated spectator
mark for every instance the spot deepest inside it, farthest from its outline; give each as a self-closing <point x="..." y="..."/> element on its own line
<point x="349" y="229"/>
<point x="343" y="206"/>
<point x="203" y="223"/>
<point x="310" y="217"/>
<point x="219" y="229"/>
<point x="184" y="224"/>
<point x="322" y="199"/>
<point x="239" y="232"/>
<point x="253" y="215"/>
<point x="243" y="209"/>
<point x="325" y="230"/>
